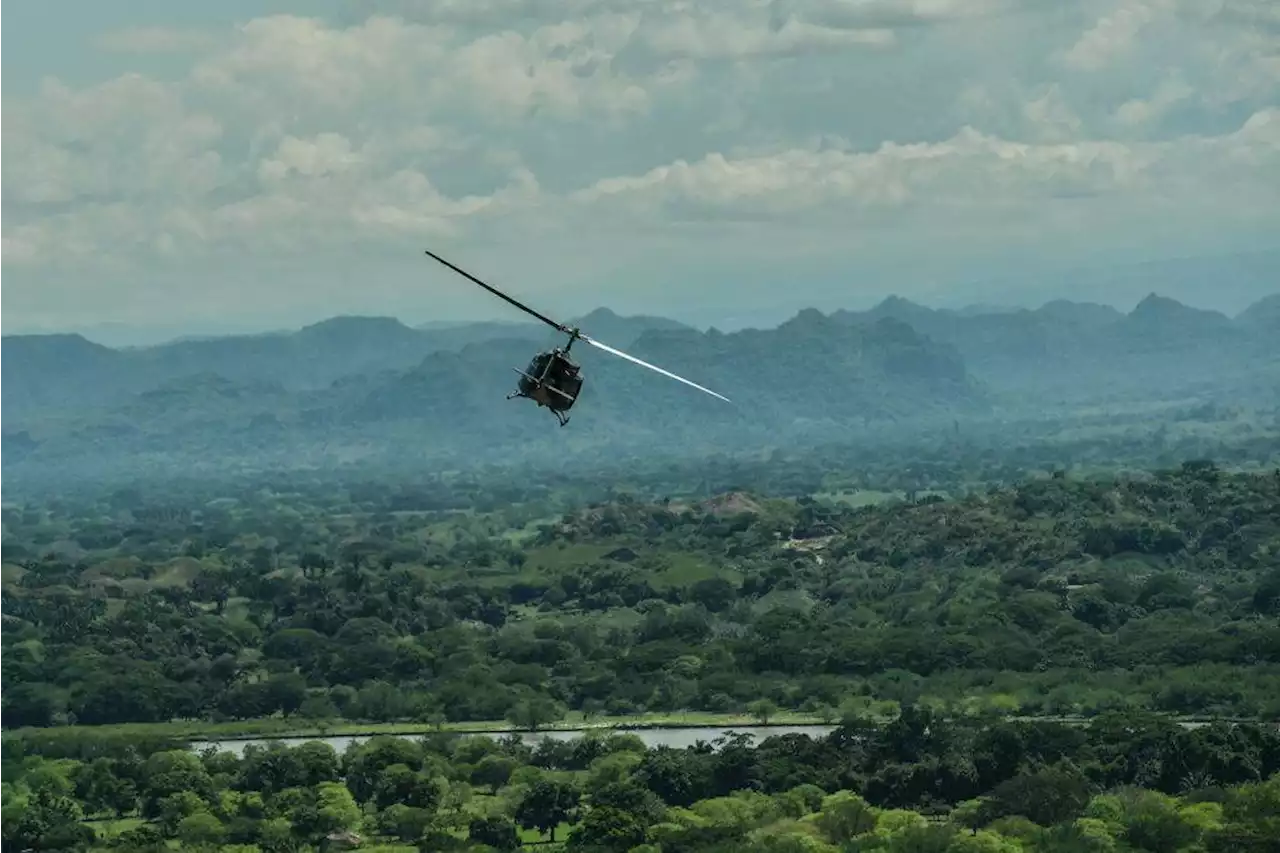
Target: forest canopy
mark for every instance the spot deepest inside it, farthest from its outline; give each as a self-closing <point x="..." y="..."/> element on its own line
<point x="1059" y="595"/>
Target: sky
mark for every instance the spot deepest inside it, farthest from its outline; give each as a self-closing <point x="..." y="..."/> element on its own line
<point x="185" y="167"/>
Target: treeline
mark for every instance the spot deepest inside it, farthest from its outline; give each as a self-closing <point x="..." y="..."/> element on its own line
<point x="923" y="782"/>
<point x="903" y="460"/>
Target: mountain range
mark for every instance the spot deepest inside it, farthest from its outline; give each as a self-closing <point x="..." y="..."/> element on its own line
<point x="350" y="388"/>
<point x="1079" y="353"/>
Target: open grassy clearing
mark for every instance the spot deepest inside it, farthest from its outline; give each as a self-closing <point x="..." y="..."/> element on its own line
<point x="279" y="727"/>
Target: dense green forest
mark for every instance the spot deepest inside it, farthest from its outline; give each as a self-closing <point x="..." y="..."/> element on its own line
<point x="940" y="607"/>
<point x="924" y="783"/>
<point x="1058" y="595"/>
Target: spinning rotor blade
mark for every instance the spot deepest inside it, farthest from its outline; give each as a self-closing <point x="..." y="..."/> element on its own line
<point x="574" y="332"/>
<point x="667" y="373"/>
<point x="498" y="293"/>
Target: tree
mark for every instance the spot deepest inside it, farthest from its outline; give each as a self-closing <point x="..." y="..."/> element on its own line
<point x="336" y="809"/>
<point x="275" y="835"/>
<point x="100" y="788"/>
<point x="607" y="828"/>
<point x="212" y="584"/>
<point x="984" y="841"/>
<point x="404" y="822"/>
<point x="497" y="832"/>
<point x="677" y="776"/>
<point x="845" y="816"/>
<point x="763" y="710"/>
<point x="399" y="784"/>
<point x="546" y="805"/>
<point x="1047" y="797"/>
<point x="45" y="820"/>
<point x="174" y="772"/>
<point x="715" y="594"/>
<point x="534" y="713"/>
<point x="201" y="830"/>
<point x="493" y="771"/>
<point x="365" y="765"/>
<point x="32" y="704"/>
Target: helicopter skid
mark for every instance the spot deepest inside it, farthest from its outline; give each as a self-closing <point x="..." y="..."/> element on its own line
<point x="561" y="417"/>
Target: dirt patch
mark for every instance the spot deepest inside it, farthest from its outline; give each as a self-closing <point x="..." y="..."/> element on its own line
<point x="731" y="503"/>
<point x="815" y="544"/>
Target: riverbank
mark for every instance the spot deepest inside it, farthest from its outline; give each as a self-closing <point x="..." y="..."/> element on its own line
<point x="294" y="729"/>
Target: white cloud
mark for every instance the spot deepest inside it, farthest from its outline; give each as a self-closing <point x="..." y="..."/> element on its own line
<point x="1139" y="112"/>
<point x="326" y="154"/>
<point x="287" y="135"/>
<point x="942" y="177"/>
<point x="724" y="36"/>
<point x="1050" y="118"/>
<point x="1115" y="33"/>
<point x="897" y="13"/>
<point x="1231" y="46"/>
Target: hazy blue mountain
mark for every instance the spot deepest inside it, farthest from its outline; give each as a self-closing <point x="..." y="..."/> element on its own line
<point x="809" y="368"/>
<point x="359" y="388"/>
<point x="68" y="371"/>
<point x="1083" y="315"/>
<point x="55" y="371"/>
<point x="1263" y="315"/>
<point x="1072" y="352"/>
<point x="622" y="332"/>
<point x="813" y="375"/>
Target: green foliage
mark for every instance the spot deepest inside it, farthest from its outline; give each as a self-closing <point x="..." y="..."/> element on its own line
<point x="922" y="782"/>
<point x="1054" y="597"/>
<point x="932" y="625"/>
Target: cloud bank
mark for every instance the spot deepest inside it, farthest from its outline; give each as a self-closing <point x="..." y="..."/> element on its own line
<point x="612" y="130"/>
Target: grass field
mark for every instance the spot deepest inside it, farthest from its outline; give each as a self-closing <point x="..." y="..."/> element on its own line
<point x="279" y="727"/>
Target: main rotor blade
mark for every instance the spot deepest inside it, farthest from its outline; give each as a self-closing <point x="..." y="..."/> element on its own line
<point x="668" y="373"/>
<point x="498" y="293"/>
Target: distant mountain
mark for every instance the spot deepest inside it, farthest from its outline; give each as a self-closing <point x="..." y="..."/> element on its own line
<point x="813" y="375"/>
<point x="68" y="371"/>
<point x="1263" y="315"/>
<point x="1160" y="315"/>
<point x="38" y="371"/>
<point x="360" y="388"/>
<point x="1084" y="315"/>
<point x="979" y="308"/>
<point x="1066" y="353"/>
<point x="618" y="331"/>
<point x="809" y="369"/>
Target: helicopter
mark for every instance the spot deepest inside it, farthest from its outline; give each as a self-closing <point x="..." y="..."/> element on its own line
<point x="552" y="378"/>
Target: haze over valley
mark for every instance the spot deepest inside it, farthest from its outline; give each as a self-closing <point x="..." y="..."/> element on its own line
<point x="354" y="387"/>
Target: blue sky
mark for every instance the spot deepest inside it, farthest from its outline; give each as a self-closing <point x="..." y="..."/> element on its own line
<point x="189" y="166"/>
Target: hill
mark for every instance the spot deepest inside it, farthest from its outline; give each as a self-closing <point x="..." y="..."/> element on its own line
<point x="68" y="371"/>
<point x="1070" y="353"/>
<point x="1263" y="315"/>
<point x="342" y="390"/>
<point x="371" y="388"/>
<point x="54" y="371"/>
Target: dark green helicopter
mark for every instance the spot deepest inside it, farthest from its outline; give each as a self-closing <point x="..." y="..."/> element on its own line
<point x="554" y="380"/>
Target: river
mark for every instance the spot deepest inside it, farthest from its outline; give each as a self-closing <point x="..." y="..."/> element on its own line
<point x="678" y="738"/>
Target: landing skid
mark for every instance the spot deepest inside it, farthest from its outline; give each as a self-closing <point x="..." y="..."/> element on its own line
<point x="560" y="416"/>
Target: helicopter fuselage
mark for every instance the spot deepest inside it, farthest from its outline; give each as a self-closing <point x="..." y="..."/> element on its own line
<point x="552" y="380"/>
